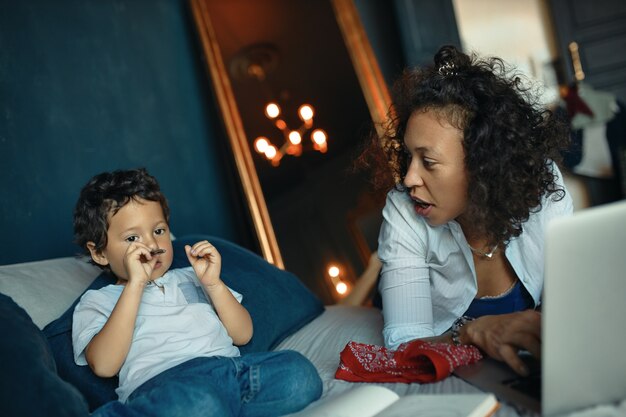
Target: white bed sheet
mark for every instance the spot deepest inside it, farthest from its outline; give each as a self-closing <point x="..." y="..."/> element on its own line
<point x="324" y="338"/>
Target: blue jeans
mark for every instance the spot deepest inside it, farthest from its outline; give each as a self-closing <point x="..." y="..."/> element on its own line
<point x="253" y="385"/>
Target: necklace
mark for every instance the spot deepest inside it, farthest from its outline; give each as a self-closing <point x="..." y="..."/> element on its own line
<point x="488" y="255"/>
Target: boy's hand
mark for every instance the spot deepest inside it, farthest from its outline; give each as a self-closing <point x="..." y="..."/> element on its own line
<point x="139" y="263"/>
<point x="206" y="262"/>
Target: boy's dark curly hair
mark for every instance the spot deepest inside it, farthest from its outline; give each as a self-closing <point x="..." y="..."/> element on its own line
<point x="104" y="195"/>
<point x="510" y="141"/>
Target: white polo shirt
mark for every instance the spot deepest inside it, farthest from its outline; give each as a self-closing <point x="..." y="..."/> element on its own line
<point x="173" y="325"/>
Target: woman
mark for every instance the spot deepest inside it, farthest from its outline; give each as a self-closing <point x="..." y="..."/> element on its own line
<point x="472" y="157"/>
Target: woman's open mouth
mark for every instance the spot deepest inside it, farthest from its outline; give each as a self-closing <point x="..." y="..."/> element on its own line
<point x="422" y="208"/>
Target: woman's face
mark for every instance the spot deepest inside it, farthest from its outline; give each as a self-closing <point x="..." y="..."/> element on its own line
<point x="436" y="176"/>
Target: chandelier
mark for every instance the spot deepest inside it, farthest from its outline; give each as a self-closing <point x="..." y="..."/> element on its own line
<point x="292" y="138"/>
<point x="255" y="62"/>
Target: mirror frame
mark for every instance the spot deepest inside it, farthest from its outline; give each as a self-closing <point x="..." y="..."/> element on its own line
<point x="368" y="74"/>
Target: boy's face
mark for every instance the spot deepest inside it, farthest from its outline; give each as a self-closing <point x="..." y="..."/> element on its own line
<point x="139" y="221"/>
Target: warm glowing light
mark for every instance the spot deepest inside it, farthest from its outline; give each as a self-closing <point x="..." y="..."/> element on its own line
<point x="260" y="144"/>
<point x="281" y="124"/>
<point x="318" y="136"/>
<point x="341" y="287"/>
<point x="306" y="112"/>
<point x="294" y="150"/>
<point x="333" y="271"/>
<point x="272" y="110"/>
<point x="270" y="152"/>
<point x="294" y="137"/>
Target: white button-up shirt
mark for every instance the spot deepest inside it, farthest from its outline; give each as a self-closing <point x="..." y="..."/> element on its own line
<point x="428" y="278"/>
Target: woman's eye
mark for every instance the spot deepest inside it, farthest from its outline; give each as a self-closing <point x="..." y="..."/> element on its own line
<point x="428" y="163"/>
<point x="132" y="238"/>
<point x="159" y="231"/>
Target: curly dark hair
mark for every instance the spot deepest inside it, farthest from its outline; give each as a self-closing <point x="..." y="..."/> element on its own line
<point x="104" y="195"/>
<point x="510" y="140"/>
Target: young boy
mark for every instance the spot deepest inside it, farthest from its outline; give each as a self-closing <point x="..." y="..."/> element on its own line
<point x="170" y="335"/>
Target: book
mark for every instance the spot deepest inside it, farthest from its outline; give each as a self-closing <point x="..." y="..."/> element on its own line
<point x="378" y="401"/>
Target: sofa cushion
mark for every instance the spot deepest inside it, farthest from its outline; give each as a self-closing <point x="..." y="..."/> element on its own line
<point x="277" y="301"/>
<point x="30" y="385"/>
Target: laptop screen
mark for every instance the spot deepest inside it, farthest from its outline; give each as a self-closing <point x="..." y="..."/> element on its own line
<point x="584" y="310"/>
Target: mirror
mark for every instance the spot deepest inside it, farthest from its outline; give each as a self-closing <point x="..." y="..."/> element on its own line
<point x="309" y="210"/>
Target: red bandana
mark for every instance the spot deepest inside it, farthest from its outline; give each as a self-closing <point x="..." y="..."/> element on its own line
<point x="415" y="361"/>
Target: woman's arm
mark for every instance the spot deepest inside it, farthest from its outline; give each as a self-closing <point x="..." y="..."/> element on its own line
<point x="405" y="276"/>
<point x="364" y="285"/>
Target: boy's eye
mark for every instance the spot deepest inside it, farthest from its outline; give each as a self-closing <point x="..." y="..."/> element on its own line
<point x="131" y="238"/>
<point x="159" y="231"/>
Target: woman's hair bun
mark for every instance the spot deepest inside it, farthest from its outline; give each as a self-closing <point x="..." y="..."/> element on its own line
<point x="449" y="58"/>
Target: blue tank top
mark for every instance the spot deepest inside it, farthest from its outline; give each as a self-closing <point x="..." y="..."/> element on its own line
<point x="517" y="299"/>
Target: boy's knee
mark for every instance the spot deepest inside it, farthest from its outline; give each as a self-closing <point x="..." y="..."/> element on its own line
<point x="304" y="377"/>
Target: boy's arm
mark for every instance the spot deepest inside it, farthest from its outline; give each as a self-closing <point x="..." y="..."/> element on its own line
<point x="232" y="314"/>
<point x="207" y="263"/>
<point x="108" y="349"/>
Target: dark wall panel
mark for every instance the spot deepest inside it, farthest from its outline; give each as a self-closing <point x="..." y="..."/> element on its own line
<point x="88" y="86"/>
<point x="599" y="28"/>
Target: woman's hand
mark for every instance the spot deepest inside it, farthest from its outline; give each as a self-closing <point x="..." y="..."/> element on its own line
<point x="502" y="336"/>
<point x="206" y="262"/>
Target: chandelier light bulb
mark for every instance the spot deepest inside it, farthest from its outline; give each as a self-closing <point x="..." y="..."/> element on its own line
<point x="294" y="137"/>
<point x="305" y="112"/>
<point x="260" y="144"/>
<point x="270" y="152"/>
<point x="341" y="287"/>
<point x="333" y="271"/>
<point x="319" y="136"/>
<point x="272" y="110"/>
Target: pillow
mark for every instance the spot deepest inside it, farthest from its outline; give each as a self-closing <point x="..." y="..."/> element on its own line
<point x="277" y="301"/>
<point x="28" y="283"/>
<point x="29" y="385"/>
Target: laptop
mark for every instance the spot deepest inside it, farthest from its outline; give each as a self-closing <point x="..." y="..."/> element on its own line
<point x="583" y="321"/>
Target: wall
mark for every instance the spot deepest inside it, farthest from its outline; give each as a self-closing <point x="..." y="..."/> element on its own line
<point x="88" y="86"/>
<point x="513" y="31"/>
<point x="406" y="33"/>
